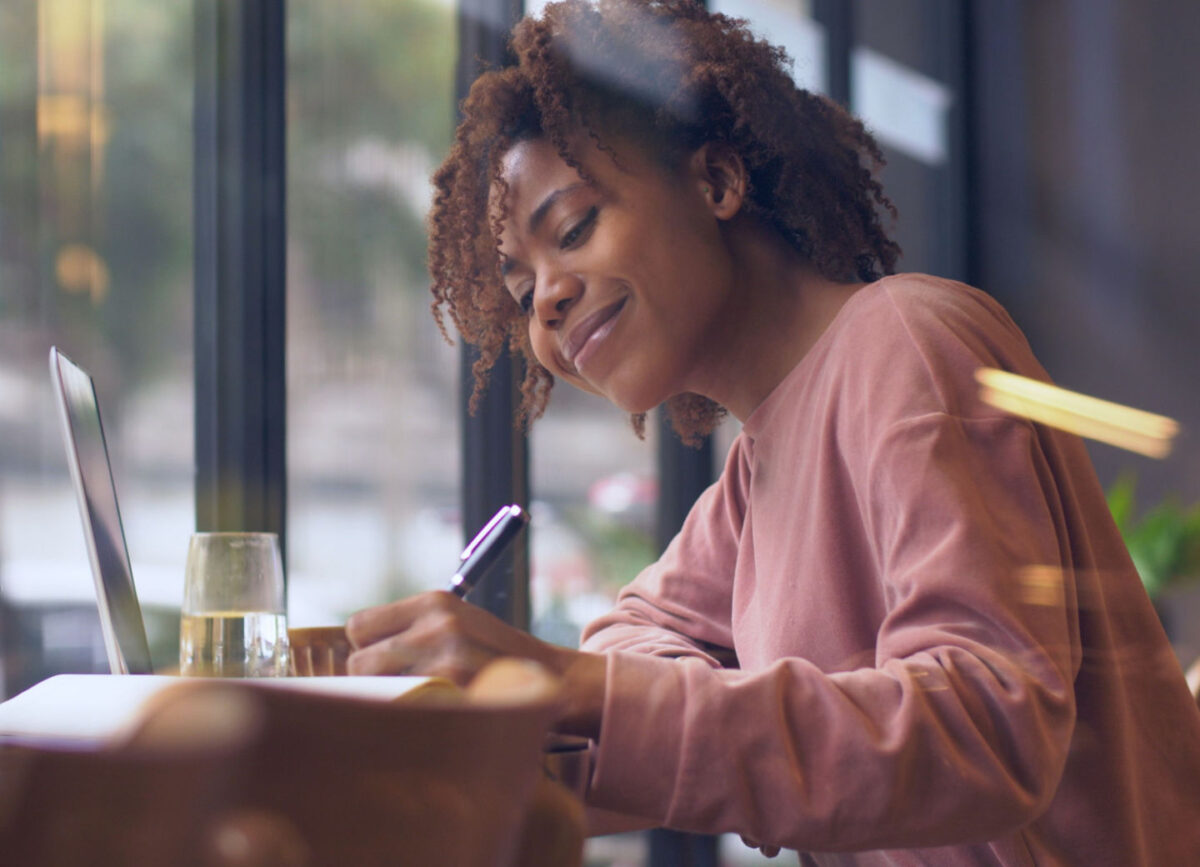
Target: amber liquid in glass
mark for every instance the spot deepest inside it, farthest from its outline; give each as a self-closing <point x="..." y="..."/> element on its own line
<point x="233" y="644"/>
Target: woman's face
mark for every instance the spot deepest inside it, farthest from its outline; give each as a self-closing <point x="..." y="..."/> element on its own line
<point x="624" y="277"/>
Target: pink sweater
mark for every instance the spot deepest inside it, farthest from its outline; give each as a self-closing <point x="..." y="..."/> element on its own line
<point x="943" y="652"/>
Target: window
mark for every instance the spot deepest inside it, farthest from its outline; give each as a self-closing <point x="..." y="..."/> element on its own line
<point x="96" y="258"/>
<point x="373" y="454"/>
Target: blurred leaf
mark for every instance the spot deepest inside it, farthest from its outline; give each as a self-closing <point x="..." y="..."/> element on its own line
<point x="1164" y="543"/>
<point x="1188" y="565"/>
<point x="1120" y="500"/>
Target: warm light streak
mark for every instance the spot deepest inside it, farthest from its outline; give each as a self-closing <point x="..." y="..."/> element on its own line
<point x="71" y="108"/>
<point x="73" y="129"/>
<point x="1041" y="585"/>
<point x="1121" y="426"/>
<point x="72" y="120"/>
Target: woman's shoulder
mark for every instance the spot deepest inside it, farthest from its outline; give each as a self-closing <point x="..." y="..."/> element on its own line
<point x="917" y="298"/>
<point x="913" y="342"/>
<point x="928" y="316"/>
<point x="902" y="346"/>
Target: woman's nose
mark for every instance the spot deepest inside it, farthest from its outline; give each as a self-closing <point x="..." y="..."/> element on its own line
<point x="555" y="296"/>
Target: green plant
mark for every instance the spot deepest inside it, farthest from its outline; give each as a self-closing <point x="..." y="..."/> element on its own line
<point x="1164" y="542"/>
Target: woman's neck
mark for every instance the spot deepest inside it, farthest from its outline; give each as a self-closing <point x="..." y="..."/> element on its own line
<point x="779" y="308"/>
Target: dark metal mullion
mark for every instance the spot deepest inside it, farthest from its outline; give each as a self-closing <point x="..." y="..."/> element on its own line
<point x="494" y="474"/>
<point x="683" y="474"/>
<point x="240" y="285"/>
<point x="494" y="454"/>
<point x="836" y="17"/>
<point x="996" y="145"/>
<point x="951" y="22"/>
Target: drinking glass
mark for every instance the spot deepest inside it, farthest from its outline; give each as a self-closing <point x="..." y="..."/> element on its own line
<point x="234" y="621"/>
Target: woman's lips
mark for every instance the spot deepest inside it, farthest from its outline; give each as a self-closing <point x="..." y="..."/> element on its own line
<point x="587" y="335"/>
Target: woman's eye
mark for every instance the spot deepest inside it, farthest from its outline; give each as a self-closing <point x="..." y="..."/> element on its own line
<point x="525" y="301"/>
<point x="575" y="234"/>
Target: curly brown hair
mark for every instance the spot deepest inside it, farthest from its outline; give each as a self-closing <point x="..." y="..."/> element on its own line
<point x="668" y="76"/>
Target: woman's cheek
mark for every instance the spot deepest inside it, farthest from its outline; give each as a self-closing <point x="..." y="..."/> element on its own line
<point x="543" y="349"/>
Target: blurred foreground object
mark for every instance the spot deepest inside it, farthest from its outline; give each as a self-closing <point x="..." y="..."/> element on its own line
<point x="1121" y="426"/>
<point x="228" y="774"/>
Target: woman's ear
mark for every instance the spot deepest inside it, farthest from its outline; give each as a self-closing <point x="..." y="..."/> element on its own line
<point x="718" y="172"/>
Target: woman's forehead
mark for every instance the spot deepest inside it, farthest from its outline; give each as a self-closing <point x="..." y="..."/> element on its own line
<point x="530" y="172"/>
<point x="532" y="159"/>
<point x="533" y="169"/>
<point x="537" y="162"/>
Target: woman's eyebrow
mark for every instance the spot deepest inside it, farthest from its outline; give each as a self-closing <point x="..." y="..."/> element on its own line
<point x="536" y="218"/>
<point x="539" y="213"/>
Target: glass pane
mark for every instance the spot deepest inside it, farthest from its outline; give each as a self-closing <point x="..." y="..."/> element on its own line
<point x="96" y="258"/>
<point x="372" y="406"/>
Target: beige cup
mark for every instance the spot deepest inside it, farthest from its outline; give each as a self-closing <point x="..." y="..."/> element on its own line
<point x="318" y="651"/>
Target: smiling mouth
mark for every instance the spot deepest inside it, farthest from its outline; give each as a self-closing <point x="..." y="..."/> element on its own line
<point x="588" y="334"/>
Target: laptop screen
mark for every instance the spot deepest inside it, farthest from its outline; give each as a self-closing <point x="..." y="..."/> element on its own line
<point x="87" y="455"/>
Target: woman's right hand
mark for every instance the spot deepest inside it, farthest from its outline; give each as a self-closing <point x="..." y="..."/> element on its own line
<point x="438" y="634"/>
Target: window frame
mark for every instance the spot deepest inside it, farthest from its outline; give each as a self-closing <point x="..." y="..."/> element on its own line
<point x="240" y="275"/>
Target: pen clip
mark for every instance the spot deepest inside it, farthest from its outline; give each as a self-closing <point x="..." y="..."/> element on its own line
<point x="485" y="532"/>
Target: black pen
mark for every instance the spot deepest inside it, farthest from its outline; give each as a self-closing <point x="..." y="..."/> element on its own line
<point x="487" y="546"/>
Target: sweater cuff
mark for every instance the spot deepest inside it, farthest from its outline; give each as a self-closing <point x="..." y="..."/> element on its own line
<point x="637" y="759"/>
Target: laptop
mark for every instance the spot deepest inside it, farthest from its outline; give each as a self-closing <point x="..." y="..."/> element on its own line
<point x="125" y="641"/>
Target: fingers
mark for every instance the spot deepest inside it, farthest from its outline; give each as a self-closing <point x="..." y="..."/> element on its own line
<point x="404" y="651"/>
<point x="435" y="634"/>
<point x="389" y="656"/>
<point x="430" y="648"/>
<point x="458" y="668"/>
<point x="370" y="625"/>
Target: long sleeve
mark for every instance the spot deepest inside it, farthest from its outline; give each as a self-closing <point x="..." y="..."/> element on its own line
<point x="957" y="733"/>
<point x="945" y="654"/>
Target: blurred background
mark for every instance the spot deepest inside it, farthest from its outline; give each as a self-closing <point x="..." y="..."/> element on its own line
<point x="1040" y="149"/>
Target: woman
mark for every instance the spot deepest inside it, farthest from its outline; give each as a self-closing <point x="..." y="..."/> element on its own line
<point x="901" y="624"/>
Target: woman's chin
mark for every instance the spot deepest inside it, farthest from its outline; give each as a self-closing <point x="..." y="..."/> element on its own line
<point x="626" y="397"/>
<point x="634" y="404"/>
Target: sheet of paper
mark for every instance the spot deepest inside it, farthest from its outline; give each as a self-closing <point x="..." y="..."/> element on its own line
<point x="85" y="708"/>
